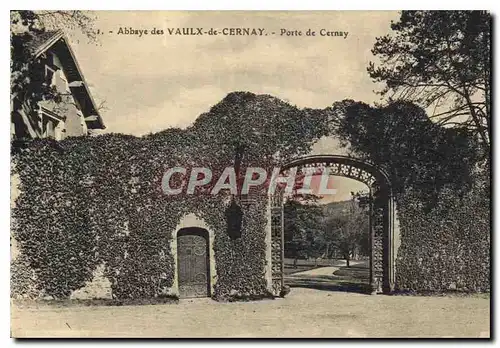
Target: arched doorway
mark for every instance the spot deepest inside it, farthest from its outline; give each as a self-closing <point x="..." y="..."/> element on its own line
<point x="193" y="265"/>
<point x="382" y="217"/>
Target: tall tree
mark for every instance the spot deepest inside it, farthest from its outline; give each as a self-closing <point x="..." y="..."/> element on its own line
<point x="303" y="227"/>
<point x="441" y="61"/>
<point x="348" y="230"/>
<point x="401" y="138"/>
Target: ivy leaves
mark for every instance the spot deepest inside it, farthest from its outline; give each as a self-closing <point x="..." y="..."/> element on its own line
<point x="99" y="200"/>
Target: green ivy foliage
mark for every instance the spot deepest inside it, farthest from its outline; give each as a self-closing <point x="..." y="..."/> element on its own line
<point x="51" y="224"/>
<point x="89" y="201"/>
<point x="447" y="248"/>
<point x="23" y="279"/>
<point x="438" y="179"/>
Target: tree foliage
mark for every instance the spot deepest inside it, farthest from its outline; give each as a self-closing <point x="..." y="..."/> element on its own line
<point x="314" y="230"/>
<point x="416" y="152"/>
<point x="70" y="20"/>
<point x="348" y="231"/>
<point x="303" y="227"/>
<point x="441" y="61"/>
<point x="442" y="192"/>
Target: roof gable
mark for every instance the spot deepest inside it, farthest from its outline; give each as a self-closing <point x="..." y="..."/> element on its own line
<point x="39" y="41"/>
<point x="57" y="42"/>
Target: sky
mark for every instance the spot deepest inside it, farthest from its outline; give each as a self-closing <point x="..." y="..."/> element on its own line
<point x="154" y="82"/>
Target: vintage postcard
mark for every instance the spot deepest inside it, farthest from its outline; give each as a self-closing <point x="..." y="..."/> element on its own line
<point x="228" y="174"/>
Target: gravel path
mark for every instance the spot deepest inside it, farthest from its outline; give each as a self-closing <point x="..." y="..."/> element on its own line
<point x="303" y="313"/>
<point x="315" y="272"/>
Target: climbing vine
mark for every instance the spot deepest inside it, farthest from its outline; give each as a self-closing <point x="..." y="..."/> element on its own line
<point x="91" y="201"/>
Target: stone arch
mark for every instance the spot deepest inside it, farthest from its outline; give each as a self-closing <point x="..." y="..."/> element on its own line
<point x="193" y="221"/>
<point x="384" y="229"/>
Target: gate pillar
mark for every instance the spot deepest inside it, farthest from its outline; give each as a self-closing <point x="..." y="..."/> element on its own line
<point x="277" y="243"/>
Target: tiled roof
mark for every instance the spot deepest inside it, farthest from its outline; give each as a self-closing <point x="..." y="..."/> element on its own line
<point x="41" y="39"/>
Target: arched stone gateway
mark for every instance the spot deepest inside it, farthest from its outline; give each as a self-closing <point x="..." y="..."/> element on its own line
<point x="384" y="228"/>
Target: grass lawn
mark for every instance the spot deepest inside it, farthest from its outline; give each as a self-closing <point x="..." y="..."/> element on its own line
<point x="334" y="278"/>
<point x="305" y="265"/>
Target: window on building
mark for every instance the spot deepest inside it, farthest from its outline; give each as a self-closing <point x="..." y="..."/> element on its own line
<point x="51" y="126"/>
<point x="48" y="127"/>
<point x="49" y="75"/>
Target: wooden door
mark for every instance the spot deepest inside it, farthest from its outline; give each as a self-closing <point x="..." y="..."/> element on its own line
<point x="192" y="261"/>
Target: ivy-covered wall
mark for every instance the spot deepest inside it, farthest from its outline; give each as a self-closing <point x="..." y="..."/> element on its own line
<point x="89" y="202"/>
<point x="446" y="248"/>
<point x="86" y="202"/>
<point x="95" y="203"/>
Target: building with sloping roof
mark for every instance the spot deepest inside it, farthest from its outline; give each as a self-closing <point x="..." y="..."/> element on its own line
<point x="76" y="113"/>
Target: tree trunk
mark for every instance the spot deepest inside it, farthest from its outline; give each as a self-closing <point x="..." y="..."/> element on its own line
<point x="327" y="251"/>
<point x="347" y="259"/>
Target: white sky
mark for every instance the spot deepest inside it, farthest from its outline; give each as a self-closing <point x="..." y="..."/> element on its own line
<point x="154" y="82"/>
